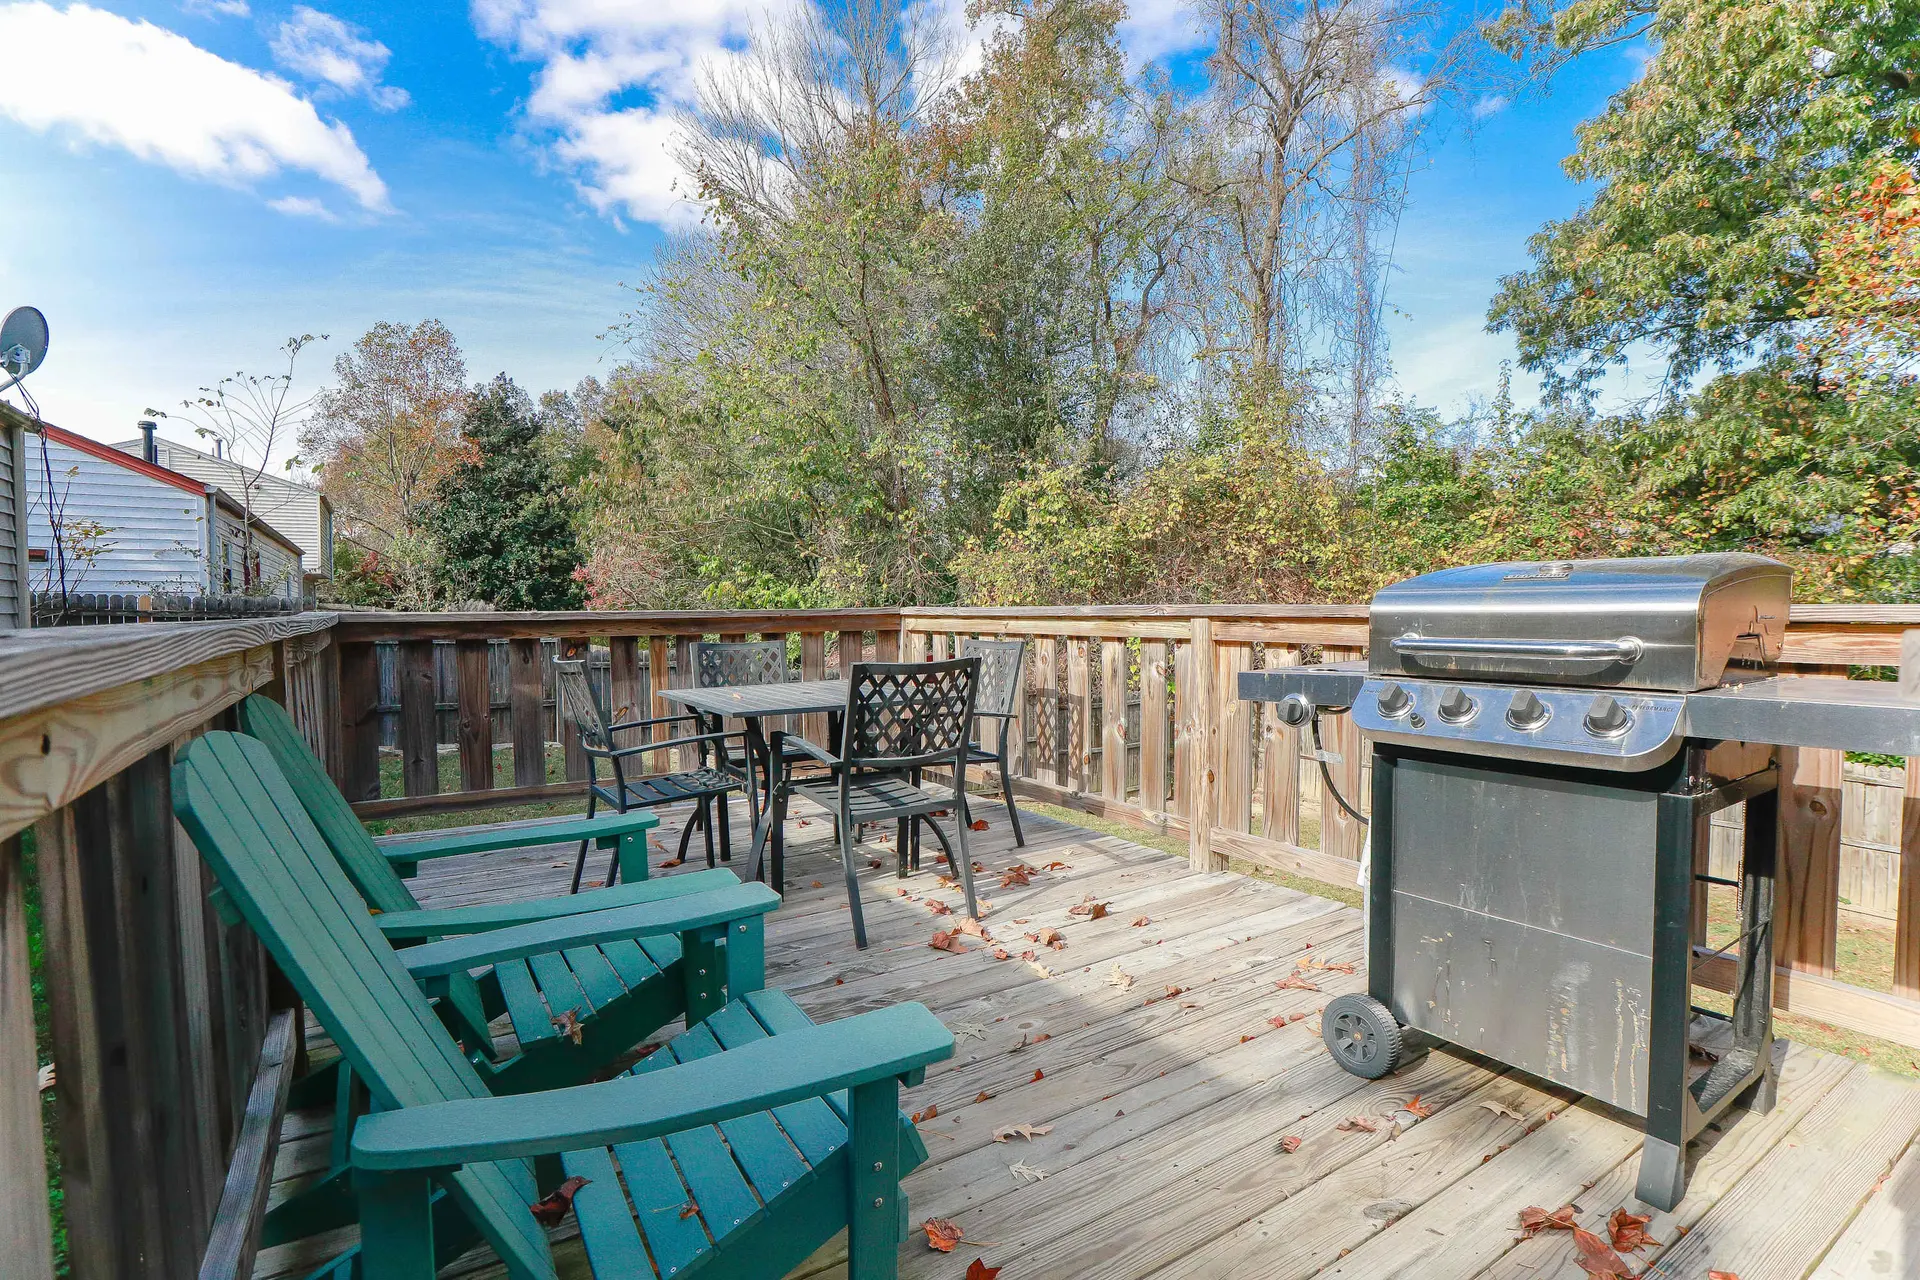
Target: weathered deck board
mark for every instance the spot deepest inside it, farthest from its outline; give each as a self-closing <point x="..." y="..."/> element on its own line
<point x="1167" y="1089"/>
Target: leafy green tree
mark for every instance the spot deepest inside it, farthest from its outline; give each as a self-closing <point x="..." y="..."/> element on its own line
<point x="500" y="517"/>
<point x="1710" y="173"/>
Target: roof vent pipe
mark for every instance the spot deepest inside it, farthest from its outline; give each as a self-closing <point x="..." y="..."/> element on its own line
<point x="148" y="449"/>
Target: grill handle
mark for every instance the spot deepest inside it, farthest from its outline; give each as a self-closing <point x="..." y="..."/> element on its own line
<point x="1625" y="649"/>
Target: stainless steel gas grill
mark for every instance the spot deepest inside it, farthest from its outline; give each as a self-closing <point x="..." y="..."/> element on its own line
<point x="1549" y="740"/>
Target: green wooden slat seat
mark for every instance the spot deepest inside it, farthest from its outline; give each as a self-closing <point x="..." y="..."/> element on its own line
<point x="693" y="1169"/>
<point x="532" y="992"/>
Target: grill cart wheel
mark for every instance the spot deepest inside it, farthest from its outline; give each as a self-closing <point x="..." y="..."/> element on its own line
<point x="1363" y="1036"/>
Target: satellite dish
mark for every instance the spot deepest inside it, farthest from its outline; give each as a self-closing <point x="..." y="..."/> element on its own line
<point x="23" y="343"/>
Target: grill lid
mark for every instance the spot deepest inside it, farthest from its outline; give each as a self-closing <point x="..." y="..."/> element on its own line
<point x="1666" y="622"/>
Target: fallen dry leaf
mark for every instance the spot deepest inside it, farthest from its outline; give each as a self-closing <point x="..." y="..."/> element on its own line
<point x="1418" y="1107"/>
<point x="1722" y="1275"/>
<point x="1595" y="1257"/>
<point x="875" y="863"/>
<point x="1001" y="953"/>
<point x="1037" y="967"/>
<point x="1038" y="1076"/>
<point x="983" y="1096"/>
<point x="1629" y="1231"/>
<point x="979" y="1270"/>
<point x="1296" y="983"/>
<point x="944" y="941"/>
<point x="1534" y="1220"/>
<point x="938" y="907"/>
<point x="1016" y="875"/>
<point x="942" y="1234"/>
<point x="978" y="824"/>
<point x="1501" y="1109"/>
<point x="551" y="1209"/>
<point x="568" y="1024"/>
<point x="1308" y="962"/>
<point x="1358" y="1124"/>
<point x="45" y="1078"/>
<point x="817" y="885"/>
<point x="673" y="862"/>
<point x="1141" y="922"/>
<point x="1027" y="1131"/>
<point x="1049" y="938"/>
<point x="1090" y="909"/>
<point x="931" y="1113"/>
<point x="1024" y="1172"/>
<point x="1119" y="978"/>
<point x="1057" y="866"/>
<point x="972" y="928"/>
<point x="1277" y="1020"/>
<point x="1290" y="1144"/>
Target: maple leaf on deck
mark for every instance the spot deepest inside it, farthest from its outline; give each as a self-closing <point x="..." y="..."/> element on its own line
<point x="1141" y="922"/>
<point x="875" y="863"/>
<point x="1628" y="1230"/>
<point x="939" y="908"/>
<point x="1417" y="1107"/>
<point x="1090" y="909"/>
<point x="568" y="1024"/>
<point x="1001" y="953"/>
<point x="972" y="928"/>
<point x="1294" y="982"/>
<point x="978" y="824"/>
<point x="1027" y="1131"/>
<point x="979" y="1270"/>
<point x="1534" y="1220"/>
<point x="932" y="1112"/>
<point x="944" y="941"/>
<point x="672" y="862"/>
<point x="1358" y="1124"/>
<point x="1596" y="1257"/>
<point x="816" y="885"/>
<point x="1017" y="874"/>
<point x="1058" y="866"/>
<point x="1289" y="1144"/>
<point x="1308" y="962"/>
<point x="551" y="1209"/>
<point x="942" y="1234"/>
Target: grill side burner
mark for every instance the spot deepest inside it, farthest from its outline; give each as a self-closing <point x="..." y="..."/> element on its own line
<point x="1549" y="741"/>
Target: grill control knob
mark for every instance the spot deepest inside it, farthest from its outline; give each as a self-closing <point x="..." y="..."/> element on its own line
<point x="1526" y="711"/>
<point x="1394" y="701"/>
<point x="1606" y="718"/>
<point x="1456" y="707"/>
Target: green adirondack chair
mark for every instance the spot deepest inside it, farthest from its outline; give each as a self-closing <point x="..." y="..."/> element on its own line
<point x="734" y="1154"/>
<point x="616" y="1015"/>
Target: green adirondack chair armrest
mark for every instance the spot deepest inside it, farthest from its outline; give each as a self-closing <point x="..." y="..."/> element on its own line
<point x="603" y="829"/>
<point x="899" y="1041"/>
<point x="650" y="919"/>
<point x="447" y="922"/>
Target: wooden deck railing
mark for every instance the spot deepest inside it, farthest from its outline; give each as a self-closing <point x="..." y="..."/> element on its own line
<point x="160" y="1012"/>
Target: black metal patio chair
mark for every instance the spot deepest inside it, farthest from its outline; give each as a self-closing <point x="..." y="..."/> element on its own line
<point x="728" y="663"/>
<point x="1002" y="668"/>
<point x="706" y="786"/>
<point x="901" y="717"/>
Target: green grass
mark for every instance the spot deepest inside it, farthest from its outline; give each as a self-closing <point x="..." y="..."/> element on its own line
<point x="449" y="761"/>
<point x="43" y="1041"/>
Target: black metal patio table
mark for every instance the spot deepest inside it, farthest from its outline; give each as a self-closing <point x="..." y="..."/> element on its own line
<point x="752" y="704"/>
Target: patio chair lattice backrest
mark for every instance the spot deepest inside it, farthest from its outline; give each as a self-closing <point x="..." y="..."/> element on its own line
<point x="1000" y="663"/>
<point x="578" y="704"/>
<point x="902" y="715"/>
<point x="735" y="662"/>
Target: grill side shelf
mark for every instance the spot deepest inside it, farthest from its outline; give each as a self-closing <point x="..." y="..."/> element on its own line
<point x="1809" y="711"/>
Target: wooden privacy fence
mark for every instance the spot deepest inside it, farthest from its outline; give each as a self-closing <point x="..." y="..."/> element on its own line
<point x="173" y="1062"/>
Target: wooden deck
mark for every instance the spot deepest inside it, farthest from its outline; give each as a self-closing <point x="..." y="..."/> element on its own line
<point x="1160" y="1069"/>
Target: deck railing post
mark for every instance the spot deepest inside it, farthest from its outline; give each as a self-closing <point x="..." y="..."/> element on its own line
<point x="1201" y="733"/>
<point x="25" y="1229"/>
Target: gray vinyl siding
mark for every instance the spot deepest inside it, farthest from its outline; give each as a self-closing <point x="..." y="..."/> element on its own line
<point x="156" y="533"/>
<point x="279" y="568"/>
<point x="294" y="509"/>
<point x="13" y="556"/>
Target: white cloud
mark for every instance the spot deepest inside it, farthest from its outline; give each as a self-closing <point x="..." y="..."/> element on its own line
<point x="1156" y="28"/>
<point x="217" y="8"/>
<point x="613" y="76"/>
<point x="321" y="47"/>
<point x="114" y="82"/>
<point x="1491" y="104"/>
<point x="302" y="207"/>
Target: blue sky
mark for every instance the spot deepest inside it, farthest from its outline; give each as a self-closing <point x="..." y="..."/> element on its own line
<point x="189" y="183"/>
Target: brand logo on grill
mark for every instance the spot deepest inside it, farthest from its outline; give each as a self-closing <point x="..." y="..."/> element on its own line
<point x="1551" y="569"/>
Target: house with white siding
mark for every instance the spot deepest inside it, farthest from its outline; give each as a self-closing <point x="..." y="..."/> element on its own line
<point x="132" y="526"/>
<point x="14" y="611"/>
<point x="299" y="511"/>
